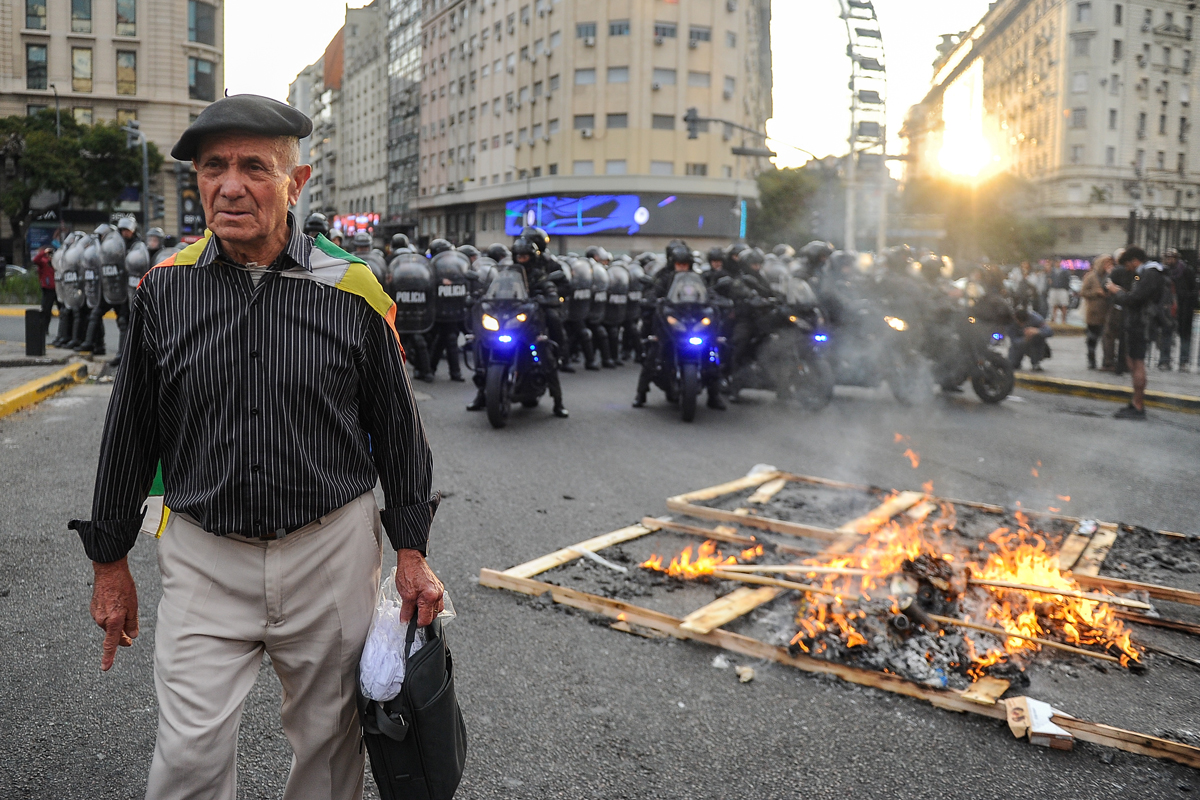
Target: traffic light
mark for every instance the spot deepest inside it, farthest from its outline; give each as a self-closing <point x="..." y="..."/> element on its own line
<point x="692" y="118"/>
<point x="158" y="206"/>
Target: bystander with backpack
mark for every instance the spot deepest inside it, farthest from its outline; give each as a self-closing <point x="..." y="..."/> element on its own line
<point x="1183" y="276"/>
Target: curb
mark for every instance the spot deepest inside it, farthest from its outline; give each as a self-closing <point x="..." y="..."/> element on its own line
<point x="38" y="390"/>
<point x="1107" y="391"/>
<point x="9" y="311"/>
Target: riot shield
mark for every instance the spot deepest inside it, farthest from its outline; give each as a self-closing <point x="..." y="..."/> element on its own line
<point x="377" y="263"/>
<point x="413" y="289"/>
<point x="480" y="276"/>
<point x="450" y="274"/>
<point x="579" y="302"/>
<point x="93" y="260"/>
<point x="618" y="294"/>
<point x="776" y="274"/>
<point x="599" y="293"/>
<point x="72" y="276"/>
<point x="637" y="278"/>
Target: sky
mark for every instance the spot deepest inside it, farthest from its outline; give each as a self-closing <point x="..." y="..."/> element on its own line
<point x="809" y="53"/>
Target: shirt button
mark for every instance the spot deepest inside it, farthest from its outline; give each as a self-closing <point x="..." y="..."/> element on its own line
<point x="254" y="354"/>
<point x="254" y="468"/>
<point x="258" y="523"/>
<point x="254" y="412"/>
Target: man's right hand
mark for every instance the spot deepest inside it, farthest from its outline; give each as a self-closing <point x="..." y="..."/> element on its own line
<point x="114" y="607"/>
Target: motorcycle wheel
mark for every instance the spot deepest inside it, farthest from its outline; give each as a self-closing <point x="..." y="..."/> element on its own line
<point x="496" y="391"/>
<point x="994" y="382"/>
<point x="689" y="390"/>
<point x="812" y="385"/>
<point x="530" y="403"/>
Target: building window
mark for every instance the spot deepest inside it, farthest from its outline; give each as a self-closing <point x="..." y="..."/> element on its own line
<point x="1079" y="82"/>
<point x="126" y="72"/>
<point x="662" y="167"/>
<point x="730" y="39"/>
<point x="1166" y="58"/>
<point x="1148" y="18"/>
<point x="552" y="169"/>
<point x="1076" y="154"/>
<point x="1140" y="161"/>
<point x="663" y="122"/>
<point x="555" y="40"/>
<point x="615" y="166"/>
<point x="536" y="131"/>
<point x="1117" y="14"/>
<point x="552" y="127"/>
<point x="201" y="84"/>
<point x="1075" y="234"/>
<point x="1083" y="45"/>
<point x="1118" y="50"/>
<point x="537" y="172"/>
<point x="81" y="17"/>
<point x="1112" y="119"/>
<point x="202" y="22"/>
<point x="585" y="30"/>
<point x="1187" y="61"/>
<point x="1083" y="12"/>
<point x="618" y="74"/>
<point x="696" y="169"/>
<point x="81" y="69"/>
<point x="614" y="121"/>
<point x="33" y="109"/>
<point x="83" y="116"/>
<point x="1078" y="117"/>
<point x="35" y="15"/>
<point x="126" y="17"/>
<point x="1110" y="156"/>
<point x="700" y="80"/>
<point x="618" y="27"/>
<point x="585" y="77"/>
<point x="699" y="34"/>
<point x="1184" y="129"/>
<point x="1162" y="124"/>
<point x="664" y="77"/>
<point x="585" y="122"/>
<point x="665" y="30"/>
<point x="584" y="168"/>
<point x="1180" y="164"/>
<point x="508" y="137"/>
<point x="35" y="66"/>
<point x="1114" y="84"/>
<point x="1160" y="160"/>
<point x="1141" y="128"/>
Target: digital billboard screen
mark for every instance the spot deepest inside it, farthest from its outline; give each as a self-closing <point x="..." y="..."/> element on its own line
<point x="624" y="214"/>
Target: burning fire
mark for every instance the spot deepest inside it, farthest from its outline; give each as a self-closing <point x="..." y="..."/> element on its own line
<point x="913" y="458"/>
<point x="708" y="558"/>
<point x="906" y="561"/>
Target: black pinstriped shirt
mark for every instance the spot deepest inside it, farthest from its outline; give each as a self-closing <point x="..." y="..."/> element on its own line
<point x="269" y="406"/>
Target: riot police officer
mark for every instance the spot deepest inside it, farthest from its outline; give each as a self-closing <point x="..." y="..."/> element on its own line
<point x="528" y="254"/>
<point x="113" y="284"/>
<point x="595" y="319"/>
<point x="614" y="313"/>
<point x="750" y="292"/>
<point x="373" y="258"/>
<point x="400" y="242"/>
<point x="156" y="239"/>
<point x="716" y="260"/>
<point x="815" y="254"/>
<point x="450" y="274"/>
<point x="470" y="251"/>
<point x="316" y="225"/>
<point x="74" y="296"/>
<point x="578" y="307"/>
<point x="631" y="333"/>
<point x="497" y="252"/>
<point x="411" y="285"/>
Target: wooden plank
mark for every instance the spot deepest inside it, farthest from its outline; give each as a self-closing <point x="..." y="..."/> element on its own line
<point x="750" y="521"/>
<point x="1096" y="733"/>
<point x="767" y="491"/>
<point x="1025" y="587"/>
<point x="762" y="580"/>
<point x="725" y="609"/>
<point x="732" y="487"/>
<point x="921" y="510"/>
<point x="567" y="555"/>
<point x="1160" y="622"/>
<point x="1072" y="547"/>
<point x="986" y="690"/>
<point x="1097" y="550"/>
<point x="874" y="519"/>
<point x="1118" y="586"/>
<point x="721" y="533"/>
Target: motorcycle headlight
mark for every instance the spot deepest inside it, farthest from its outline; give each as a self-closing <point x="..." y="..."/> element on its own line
<point x="999" y="337"/>
<point x="895" y="323"/>
<point x="706" y="322"/>
<point x="490" y="323"/>
<point x="671" y="320"/>
<point x="792" y="318"/>
<point x="695" y="341"/>
<point x="521" y="317"/>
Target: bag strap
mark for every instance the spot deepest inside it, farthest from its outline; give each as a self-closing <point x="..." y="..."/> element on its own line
<point x="411" y="636"/>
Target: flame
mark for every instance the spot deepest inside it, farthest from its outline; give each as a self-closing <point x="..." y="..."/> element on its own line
<point x="708" y="558"/>
<point x="913" y="458"/>
<point x="927" y="487"/>
<point x="899" y="437"/>
<point x="1034" y="471"/>
<point x="1066" y="498"/>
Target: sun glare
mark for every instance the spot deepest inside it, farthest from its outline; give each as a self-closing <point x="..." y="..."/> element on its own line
<point x="965" y="150"/>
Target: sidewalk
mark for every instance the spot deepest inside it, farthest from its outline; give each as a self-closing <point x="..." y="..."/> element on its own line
<point x="1066" y="372"/>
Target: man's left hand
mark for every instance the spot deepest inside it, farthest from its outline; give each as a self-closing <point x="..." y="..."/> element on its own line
<point x="417" y="586"/>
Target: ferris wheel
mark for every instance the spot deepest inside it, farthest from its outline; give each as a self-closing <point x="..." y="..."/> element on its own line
<point x="868" y="108"/>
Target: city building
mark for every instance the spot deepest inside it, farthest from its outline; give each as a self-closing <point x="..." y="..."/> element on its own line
<point x="1089" y="100"/>
<point x="302" y="94"/>
<point x="570" y="116"/>
<point x="404" y="116"/>
<point x="98" y="60"/>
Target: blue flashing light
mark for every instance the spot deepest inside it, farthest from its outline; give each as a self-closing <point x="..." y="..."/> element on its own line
<point x="506" y="338"/>
<point x="821" y="337"/>
<point x="696" y="340"/>
<point x="998" y="336"/>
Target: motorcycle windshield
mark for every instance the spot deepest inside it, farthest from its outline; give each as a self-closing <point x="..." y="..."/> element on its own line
<point x="688" y="287"/>
<point x="509" y="284"/>
<point x="799" y="293"/>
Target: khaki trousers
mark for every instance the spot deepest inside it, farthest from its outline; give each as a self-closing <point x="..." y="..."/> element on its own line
<point x="305" y="600"/>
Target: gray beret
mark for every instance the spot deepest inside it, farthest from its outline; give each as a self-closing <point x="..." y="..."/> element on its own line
<point x="242" y="113"/>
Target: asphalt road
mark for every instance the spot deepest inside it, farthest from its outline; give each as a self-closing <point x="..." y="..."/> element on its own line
<point x="558" y="707"/>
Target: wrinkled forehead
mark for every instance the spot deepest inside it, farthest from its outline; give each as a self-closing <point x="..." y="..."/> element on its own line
<point x="239" y="147"/>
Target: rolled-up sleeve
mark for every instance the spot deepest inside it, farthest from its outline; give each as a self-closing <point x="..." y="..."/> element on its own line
<point x="388" y="413"/>
<point x="129" y="449"/>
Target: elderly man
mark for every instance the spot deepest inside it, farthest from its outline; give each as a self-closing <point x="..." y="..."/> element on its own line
<point x="264" y="372"/>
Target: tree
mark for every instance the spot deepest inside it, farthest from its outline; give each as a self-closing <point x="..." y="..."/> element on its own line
<point x="88" y="164"/>
<point x="784" y="197"/>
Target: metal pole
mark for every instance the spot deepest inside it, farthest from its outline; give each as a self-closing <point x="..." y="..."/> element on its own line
<point x="145" y="186"/>
<point x="881" y="233"/>
<point x="57" y="116"/>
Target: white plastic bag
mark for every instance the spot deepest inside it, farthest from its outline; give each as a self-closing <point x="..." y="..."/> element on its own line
<point x="381" y="668"/>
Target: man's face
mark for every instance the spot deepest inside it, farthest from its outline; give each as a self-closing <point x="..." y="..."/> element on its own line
<point x="717" y="265"/>
<point x="682" y="266"/>
<point x="523" y="258"/>
<point x="126" y="234"/>
<point x="1170" y="260"/>
<point x="246" y="186"/>
<point x="154" y="243"/>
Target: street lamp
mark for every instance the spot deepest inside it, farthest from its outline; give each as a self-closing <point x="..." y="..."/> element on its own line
<point x="134" y="137"/>
<point x="57" y="118"/>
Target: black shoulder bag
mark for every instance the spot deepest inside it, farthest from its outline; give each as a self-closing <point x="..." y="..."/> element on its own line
<point x="418" y="741"/>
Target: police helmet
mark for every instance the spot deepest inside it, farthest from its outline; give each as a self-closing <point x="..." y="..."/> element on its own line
<point x="897" y="258"/>
<point x="716" y="254"/>
<point x="469" y="251"/>
<point x="400" y="241"/>
<point x="931" y="267"/>
<point x="524" y="247"/>
<point x="157" y="231"/>
<point x="784" y="251"/>
<point x="816" y="252"/>
<point x="103" y="229"/>
<point x="592" y="252"/>
<point x="679" y="254"/>
<point x="336" y="234"/>
<point x="439" y="246"/>
<point x="751" y="257"/>
<point x="362" y="239"/>
<point x="497" y="252"/>
<point x="127" y="224"/>
<point x="538" y="236"/>
<point x="842" y="260"/>
<point x="317" y="223"/>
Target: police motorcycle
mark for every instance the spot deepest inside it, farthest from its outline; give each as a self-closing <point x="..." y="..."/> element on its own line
<point x="520" y="358"/>
<point x="964" y="341"/>
<point x="789" y="349"/>
<point x="689" y="357"/>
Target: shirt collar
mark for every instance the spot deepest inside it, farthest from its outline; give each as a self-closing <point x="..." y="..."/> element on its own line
<point x="297" y="253"/>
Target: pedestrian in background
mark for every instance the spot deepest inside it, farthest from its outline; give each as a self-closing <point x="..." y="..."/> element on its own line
<point x="45" y="270"/>
<point x="1183" y="276"/>
<point x="1138" y="302"/>
<point x="1097" y="304"/>
<point x="1114" y="328"/>
<point x="264" y="371"/>
<point x="1059" y="292"/>
<point x="1027" y="336"/>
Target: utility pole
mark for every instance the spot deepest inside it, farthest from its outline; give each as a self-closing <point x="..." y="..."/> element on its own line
<point x="849" y="238"/>
<point x="57" y="116"/>
<point x="135" y="137"/>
